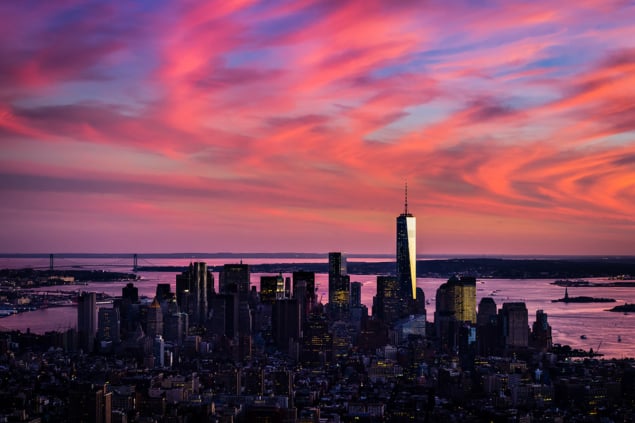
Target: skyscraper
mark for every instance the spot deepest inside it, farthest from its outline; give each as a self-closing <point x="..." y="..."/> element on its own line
<point x="87" y="320"/>
<point x="268" y="285"/>
<point x="515" y="324"/>
<point x="192" y="288"/>
<point x="305" y="295"/>
<point x="407" y="252"/>
<point x="387" y="304"/>
<point x="339" y="287"/>
<point x="154" y="325"/>
<point x="235" y="278"/>
<point x="108" y="325"/>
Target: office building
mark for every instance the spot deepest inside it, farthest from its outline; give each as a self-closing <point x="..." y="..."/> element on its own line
<point x="87" y="320"/>
<point x="130" y="292"/>
<point x="158" y="351"/>
<point x="339" y="287"/>
<point x="407" y="252"/>
<point x="308" y="298"/>
<point x="457" y="298"/>
<point x="163" y="292"/>
<point x="356" y="294"/>
<point x="154" y="319"/>
<point x="286" y="324"/>
<point x="225" y="315"/>
<point x="487" y="327"/>
<point x="515" y="325"/>
<point x="268" y="285"/>
<point x="455" y="306"/>
<point x="108" y="326"/>
<point x="235" y="278"/>
<point x="193" y="290"/>
<point x="541" y="332"/>
<point x="388" y="305"/>
<point x="317" y="342"/>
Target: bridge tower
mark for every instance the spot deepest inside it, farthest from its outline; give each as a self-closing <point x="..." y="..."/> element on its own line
<point x="51" y="262"/>
<point x="135" y="263"/>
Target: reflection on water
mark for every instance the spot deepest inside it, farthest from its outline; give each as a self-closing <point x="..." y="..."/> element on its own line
<point x="569" y="321"/>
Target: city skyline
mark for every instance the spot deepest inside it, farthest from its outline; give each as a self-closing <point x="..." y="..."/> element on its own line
<point x="157" y="127"/>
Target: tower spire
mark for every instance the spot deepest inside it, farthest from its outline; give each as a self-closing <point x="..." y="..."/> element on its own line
<point x="406" y="202"/>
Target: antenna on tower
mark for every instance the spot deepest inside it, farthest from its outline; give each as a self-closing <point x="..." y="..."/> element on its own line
<point x="406" y="202"/>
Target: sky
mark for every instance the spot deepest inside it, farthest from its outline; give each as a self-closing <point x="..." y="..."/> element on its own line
<point x="270" y="126"/>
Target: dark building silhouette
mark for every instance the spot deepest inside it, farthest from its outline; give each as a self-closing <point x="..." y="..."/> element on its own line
<point x="388" y="304"/>
<point x="541" y="332"/>
<point x="154" y="319"/>
<point x="514" y="325"/>
<point x="308" y="297"/>
<point x="356" y="294"/>
<point x="130" y="292"/>
<point x="234" y="278"/>
<point x="286" y="324"/>
<point x="268" y="285"/>
<point x="108" y="326"/>
<point x="87" y="320"/>
<point x="225" y="315"/>
<point x="163" y="292"/>
<point x="317" y="342"/>
<point x="487" y="327"/>
<point x="90" y="404"/>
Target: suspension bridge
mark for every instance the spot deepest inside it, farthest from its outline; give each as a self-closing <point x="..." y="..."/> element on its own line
<point x="65" y="262"/>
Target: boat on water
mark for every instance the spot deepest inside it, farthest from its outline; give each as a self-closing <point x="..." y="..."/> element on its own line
<point x="582" y="336"/>
<point x="619" y="338"/>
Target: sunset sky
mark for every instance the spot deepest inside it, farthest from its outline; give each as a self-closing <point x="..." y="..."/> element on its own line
<point x="267" y="126"/>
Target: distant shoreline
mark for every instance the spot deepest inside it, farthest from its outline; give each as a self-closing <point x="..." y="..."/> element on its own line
<point x="291" y="255"/>
<point x="484" y="268"/>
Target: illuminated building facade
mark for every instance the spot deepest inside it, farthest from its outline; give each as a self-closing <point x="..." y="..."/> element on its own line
<point x="339" y="287"/>
<point x="407" y="253"/>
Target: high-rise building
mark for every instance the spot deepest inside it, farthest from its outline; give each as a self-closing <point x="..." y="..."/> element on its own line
<point x="87" y="320"/>
<point x="407" y="252"/>
<point x="163" y="292"/>
<point x="457" y="297"/>
<point x="154" y="320"/>
<point x="388" y="303"/>
<point x="486" y="311"/>
<point x="308" y="297"/>
<point x="356" y="294"/>
<point x="234" y="278"/>
<point x="515" y="325"/>
<point x="192" y="292"/>
<point x="158" y="351"/>
<point x="225" y="314"/>
<point x="317" y="342"/>
<point x="286" y="324"/>
<point x="455" y="305"/>
<point x="541" y="332"/>
<point x="465" y="299"/>
<point x="339" y="287"/>
<point x="281" y="288"/>
<point x="108" y="325"/>
<point x="268" y="285"/>
<point x="130" y="292"/>
<point x="487" y="333"/>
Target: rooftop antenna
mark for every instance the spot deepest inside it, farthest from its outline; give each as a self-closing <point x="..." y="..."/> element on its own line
<point x="406" y="202"/>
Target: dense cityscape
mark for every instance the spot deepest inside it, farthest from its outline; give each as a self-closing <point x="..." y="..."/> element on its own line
<point x="222" y="351"/>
